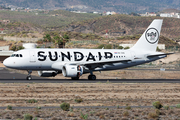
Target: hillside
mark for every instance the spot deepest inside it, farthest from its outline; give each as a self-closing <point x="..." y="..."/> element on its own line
<point x="41" y="21"/>
<point x="120" y="25"/>
<point x="122" y="6"/>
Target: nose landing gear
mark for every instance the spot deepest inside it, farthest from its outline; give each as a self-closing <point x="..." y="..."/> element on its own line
<point x="29" y="75"/>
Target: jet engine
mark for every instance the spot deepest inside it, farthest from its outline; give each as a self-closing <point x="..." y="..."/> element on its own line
<point x="72" y="70"/>
<point x="47" y="73"/>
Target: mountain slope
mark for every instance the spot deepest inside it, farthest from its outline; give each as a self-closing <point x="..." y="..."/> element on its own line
<point x="121" y="25"/>
<point x="124" y="6"/>
<point x="62" y="19"/>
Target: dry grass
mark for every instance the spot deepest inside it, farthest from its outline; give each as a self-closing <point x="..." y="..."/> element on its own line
<point x="93" y="94"/>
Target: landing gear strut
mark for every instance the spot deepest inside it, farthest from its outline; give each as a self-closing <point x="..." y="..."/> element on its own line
<point x="91" y="76"/>
<point x="29" y="75"/>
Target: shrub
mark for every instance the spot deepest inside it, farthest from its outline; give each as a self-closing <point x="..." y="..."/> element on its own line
<point x="82" y="116"/>
<point x="70" y="114"/>
<point x="157" y="105"/>
<point x="118" y="107"/>
<point x="152" y="115"/>
<point x="38" y="107"/>
<point x="166" y="107"/>
<point x="71" y="109"/>
<point x="92" y="112"/>
<point x="9" y="107"/>
<point x="78" y="100"/>
<point x="32" y="101"/>
<point x="20" y="47"/>
<point x="157" y="49"/>
<point x="128" y="107"/>
<point x="108" y="46"/>
<point x="126" y="113"/>
<point x="178" y="106"/>
<point x="101" y="117"/>
<point x="126" y="47"/>
<point x="28" y="117"/>
<point x="100" y="46"/>
<point x="157" y="112"/>
<point x="39" y="42"/>
<point x="65" y="106"/>
<point x="13" y="48"/>
<point x="120" y="47"/>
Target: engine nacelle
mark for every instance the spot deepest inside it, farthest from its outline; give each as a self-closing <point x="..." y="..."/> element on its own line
<point x="47" y="73"/>
<point x="72" y="70"/>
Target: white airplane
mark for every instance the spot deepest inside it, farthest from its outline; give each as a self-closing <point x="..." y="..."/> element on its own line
<point x="76" y="62"/>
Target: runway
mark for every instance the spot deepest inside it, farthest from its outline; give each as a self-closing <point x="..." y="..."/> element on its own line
<point x="12" y="77"/>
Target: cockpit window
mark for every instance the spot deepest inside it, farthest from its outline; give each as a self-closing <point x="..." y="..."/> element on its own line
<point x="12" y="55"/>
<point x="16" y="55"/>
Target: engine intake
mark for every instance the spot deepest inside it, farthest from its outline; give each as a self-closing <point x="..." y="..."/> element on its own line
<point x="72" y="70"/>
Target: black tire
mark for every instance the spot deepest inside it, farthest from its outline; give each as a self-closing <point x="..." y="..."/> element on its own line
<point x="75" y="78"/>
<point x="28" y="78"/>
<point x="91" y="77"/>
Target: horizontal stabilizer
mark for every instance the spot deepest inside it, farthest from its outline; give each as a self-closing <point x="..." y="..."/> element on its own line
<point x="159" y="54"/>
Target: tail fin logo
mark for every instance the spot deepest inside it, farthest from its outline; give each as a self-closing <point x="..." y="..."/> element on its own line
<point x="152" y="35"/>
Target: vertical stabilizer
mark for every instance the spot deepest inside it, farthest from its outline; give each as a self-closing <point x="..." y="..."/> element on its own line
<point x="149" y="40"/>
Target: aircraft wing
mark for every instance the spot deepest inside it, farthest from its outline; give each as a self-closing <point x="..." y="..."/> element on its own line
<point x="97" y="63"/>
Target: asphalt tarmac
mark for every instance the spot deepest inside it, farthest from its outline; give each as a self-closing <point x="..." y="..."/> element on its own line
<point x="12" y="77"/>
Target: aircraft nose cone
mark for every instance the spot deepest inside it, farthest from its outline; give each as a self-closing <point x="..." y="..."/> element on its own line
<point x="6" y="62"/>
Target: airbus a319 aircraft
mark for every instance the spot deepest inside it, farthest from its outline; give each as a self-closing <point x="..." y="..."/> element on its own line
<point x="76" y="62"/>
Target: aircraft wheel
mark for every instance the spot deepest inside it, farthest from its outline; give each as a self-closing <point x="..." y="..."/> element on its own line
<point x="29" y="78"/>
<point x="75" y="78"/>
<point x="91" y="77"/>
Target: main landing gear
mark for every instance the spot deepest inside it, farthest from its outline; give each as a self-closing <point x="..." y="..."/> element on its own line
<point x="91" y="76"/>
<point x="29" y="75"/>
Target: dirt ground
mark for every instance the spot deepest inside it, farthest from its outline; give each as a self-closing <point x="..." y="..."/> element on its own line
<point x="92" y="94"/>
